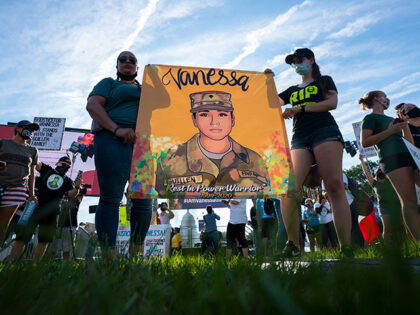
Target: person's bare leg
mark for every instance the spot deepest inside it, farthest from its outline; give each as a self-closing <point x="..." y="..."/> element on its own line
<point x="40" y="251"/>
<point x="311" y="238"/>
<point x="66" y="256"/>
<point x="301" y="164"/>
<point x="329" y="157"/>
<point x="6" y="215"/>
<point x="403" y="181"/>
<point x="386" y="225"/>
<point x="17" y="250"/>
<point x="228" y="253"/>
<point x="245" y="252"/>
<point x="265" y="245"/>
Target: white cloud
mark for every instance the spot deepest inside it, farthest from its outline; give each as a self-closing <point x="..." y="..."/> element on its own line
<point x="255" y="38"/>
<point x="357" y="27"/>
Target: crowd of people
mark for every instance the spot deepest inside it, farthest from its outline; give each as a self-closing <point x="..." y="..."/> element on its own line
<point x="316" y="151"/>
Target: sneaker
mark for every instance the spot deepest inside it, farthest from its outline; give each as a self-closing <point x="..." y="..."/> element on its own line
<point x="346" y="252"/>
<point x="290" y="250"/>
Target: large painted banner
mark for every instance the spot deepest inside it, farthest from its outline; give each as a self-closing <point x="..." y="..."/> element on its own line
<point x="209" y="133"/>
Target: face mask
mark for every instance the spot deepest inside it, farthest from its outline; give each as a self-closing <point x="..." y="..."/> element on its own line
<point x="302" y="68"/>
<point x="414" y="113"/>
<point x="26" y="134"/>
<point x="62" y="169"/>
<point x="385" y="103"/>
<point x="126" y="77"/>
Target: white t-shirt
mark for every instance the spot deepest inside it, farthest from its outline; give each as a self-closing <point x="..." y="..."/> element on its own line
<point x="164" y="217"/>
<point x="325" y="216"/>
<point x="238" y="212"/>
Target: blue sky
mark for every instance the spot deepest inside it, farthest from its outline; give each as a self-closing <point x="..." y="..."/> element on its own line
<point x="53" y="52"/>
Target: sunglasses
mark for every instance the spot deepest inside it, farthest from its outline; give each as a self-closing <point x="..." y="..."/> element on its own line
<point x="130" y="59"/>
<point x="297" y="60"/>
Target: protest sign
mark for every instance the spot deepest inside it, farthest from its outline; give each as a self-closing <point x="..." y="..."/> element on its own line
<point x="123" y="239"/>
<point x="414" y="151"/>
<point x="209" y="133"/>
<point x="50" y="134"/>
<point x="365" y="152"/>
<point x="158" y="240"/>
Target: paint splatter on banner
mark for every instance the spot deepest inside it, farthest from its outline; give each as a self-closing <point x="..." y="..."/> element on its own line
<point x="209" y="133"/>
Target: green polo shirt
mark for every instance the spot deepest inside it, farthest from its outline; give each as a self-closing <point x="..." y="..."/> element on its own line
<point x="122" y="100"/>
<point x="393" y="144"/>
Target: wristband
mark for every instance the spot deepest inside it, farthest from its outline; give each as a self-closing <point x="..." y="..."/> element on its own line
<point x="115" y="131"/>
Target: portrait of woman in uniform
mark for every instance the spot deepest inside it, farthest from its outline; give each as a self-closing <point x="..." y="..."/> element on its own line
<point x="211" y="158"/>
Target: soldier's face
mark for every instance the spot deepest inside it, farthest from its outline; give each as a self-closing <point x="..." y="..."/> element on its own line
<point x="214" y="124"/>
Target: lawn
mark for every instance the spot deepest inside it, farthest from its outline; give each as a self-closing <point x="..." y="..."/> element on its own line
<point x="197" y="285"/>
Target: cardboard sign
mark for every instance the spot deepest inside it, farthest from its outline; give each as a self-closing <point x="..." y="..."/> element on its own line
<point x="158" y="240"/>
<point x="209" y="133"/>
<point x="195" y="203"/>
<point x="414" y="151"/>
<point x="365" y="152"/>
<point x="50" y="134"/>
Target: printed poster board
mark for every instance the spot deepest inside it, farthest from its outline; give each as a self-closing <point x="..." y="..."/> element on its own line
<point x="365" y="152"/>
<point x="50" y="134"/>
<point x="209" y="133"/>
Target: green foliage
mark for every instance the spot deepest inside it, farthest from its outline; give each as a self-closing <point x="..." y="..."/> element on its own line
<point x="197" y="285"/>
<point x="356" y="174"/>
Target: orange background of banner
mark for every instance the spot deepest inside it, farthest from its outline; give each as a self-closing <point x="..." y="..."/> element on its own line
<point x="164" y="120"/>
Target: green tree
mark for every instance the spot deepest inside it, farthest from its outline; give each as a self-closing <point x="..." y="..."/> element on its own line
<point x="356" y="174"/>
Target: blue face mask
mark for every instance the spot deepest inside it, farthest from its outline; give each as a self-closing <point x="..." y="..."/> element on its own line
<point x="302" y="68"/>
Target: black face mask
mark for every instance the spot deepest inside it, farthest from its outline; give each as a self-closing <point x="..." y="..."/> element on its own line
<point x="62" y="169"/>
<point x="414" y="113"/>
<point x="26" y="134"/>
<point x="126" y="77"/>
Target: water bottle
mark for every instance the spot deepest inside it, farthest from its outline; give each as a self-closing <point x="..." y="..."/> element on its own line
<point x="27" y="213"/>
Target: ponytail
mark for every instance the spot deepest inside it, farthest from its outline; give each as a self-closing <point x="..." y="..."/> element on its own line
<point x="316" y="74"/>
<point x="367" y="100"/>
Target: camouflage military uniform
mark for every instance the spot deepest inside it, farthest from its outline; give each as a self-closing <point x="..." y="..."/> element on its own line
<point x="187" y="165"/>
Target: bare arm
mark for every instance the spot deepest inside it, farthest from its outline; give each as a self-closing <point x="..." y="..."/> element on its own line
<point x="39" y="166"/>
<point x="95" y="107"/>
<point x="367" y="138"/>
<point x="31" y="184"/>
<point x="171" y="214"/>
<point x="366" y="171"/>
<point x="407" y="134"/>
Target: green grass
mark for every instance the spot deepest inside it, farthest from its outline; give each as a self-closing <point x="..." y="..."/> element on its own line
<point x="196" y="285"/>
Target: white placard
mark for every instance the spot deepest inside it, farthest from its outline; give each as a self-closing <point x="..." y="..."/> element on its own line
<point x="50" y="134"/>
<point x="365" y="152"/>
<point x="414" y="151"/>
<point x="158" y="240"/>
<point x="123" y="239"/>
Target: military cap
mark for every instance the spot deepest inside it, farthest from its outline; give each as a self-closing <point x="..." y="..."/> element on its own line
<point x="208" y="100"/>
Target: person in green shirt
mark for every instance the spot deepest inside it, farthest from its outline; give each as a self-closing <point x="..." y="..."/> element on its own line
<point x="386" y="134"/>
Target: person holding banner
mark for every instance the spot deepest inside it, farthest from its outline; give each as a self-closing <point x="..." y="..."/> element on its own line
<point x="316" y="139"/>
<point x="113" y="104"/>
<point x="395" y="160"/>
<point x="18" y="160"/>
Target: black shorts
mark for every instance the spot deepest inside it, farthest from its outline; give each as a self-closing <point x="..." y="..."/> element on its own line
<point x="268" y="227"/>
<point x="236" y="232"/>
<point x="46" y="216"/>
<point x="396" y="161"/>
<point x="316" y="137"/>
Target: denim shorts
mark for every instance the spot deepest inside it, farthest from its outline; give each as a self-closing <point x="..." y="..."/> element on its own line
<point x="396" y="161"/>
<point x="315" y="137"/>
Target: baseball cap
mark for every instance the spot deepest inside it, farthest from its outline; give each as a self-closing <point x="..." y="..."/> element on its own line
<point x="65" y="159"/>
<point x="300" y="52"/>
<point x="211" y="100"/>
<point x="27" y="123"/>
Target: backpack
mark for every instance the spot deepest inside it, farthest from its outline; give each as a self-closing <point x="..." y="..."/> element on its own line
<point x="363" y="205"/>
<point x="269" y="208"/>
